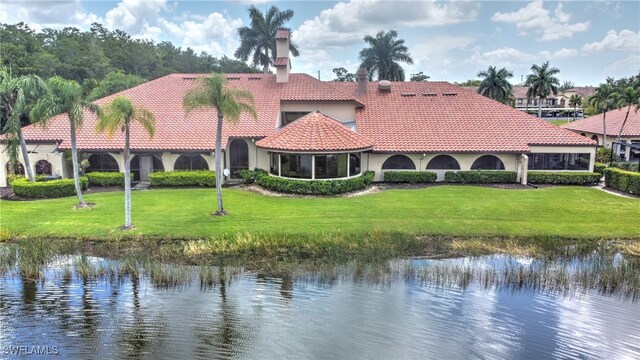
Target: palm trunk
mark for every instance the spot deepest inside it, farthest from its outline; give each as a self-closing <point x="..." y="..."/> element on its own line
<point x="74" y="157"/>
<point x="575" y="109"/>
<point x="25" y="156"/>
<point x="540" y="108"/>
<point x="604" y="129"/>
<point x="219" y="174"/>
<point x="623" y="123"/>
<point x="127" y="178"/>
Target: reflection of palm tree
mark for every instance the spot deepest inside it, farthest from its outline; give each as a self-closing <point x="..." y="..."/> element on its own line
<point x="89" y="313"/>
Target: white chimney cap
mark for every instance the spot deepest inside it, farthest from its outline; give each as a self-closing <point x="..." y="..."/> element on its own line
<point x="384" y="85"/>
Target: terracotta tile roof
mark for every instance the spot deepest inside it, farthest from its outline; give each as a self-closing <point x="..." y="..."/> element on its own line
<point x="282" y="61"/>
<point x="431" y="121"/>
<point x="315" y="132"/>
<point x="615" y="118"/>
<point x="584" y="91"/>
<point x="282" y="34"/>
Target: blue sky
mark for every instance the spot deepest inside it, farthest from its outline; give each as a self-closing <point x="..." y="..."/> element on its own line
<point x="452" y="41"/>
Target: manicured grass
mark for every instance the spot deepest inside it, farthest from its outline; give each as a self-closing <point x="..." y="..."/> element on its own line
<point x="457" y="211"/>
<point x="559" y="122"/>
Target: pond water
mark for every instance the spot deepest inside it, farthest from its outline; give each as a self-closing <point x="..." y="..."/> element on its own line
<point x="451" y="308"/>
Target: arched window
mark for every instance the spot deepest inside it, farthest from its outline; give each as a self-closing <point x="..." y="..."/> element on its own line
<point x="398" y="162"/>
<point x="487" y="162"/>
<point x="43" y="167"/>
<point x="19" y="169"/>
<point x="441" y="162"/>
<point x="595" y="138"/>
<point x="102" y="162"/>
<point x="191" y="162"/>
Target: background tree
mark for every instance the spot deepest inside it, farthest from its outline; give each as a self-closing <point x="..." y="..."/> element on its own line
<point x="470" y="82"/>
<point x="65" y="96"/>
<point x="17" y="96"/>
<point x="343" y="75"/>
<point x="114" y="82"/>
<point x="228" y="103"/>
<point x="604" y="99"/>
<point x="228" y="65"/>
<point x="542" y="83"/>
<point x="566" y="85"/>
<point x="575" y="100"/>
<point x="258" y="40"/>
<point x="383" y="54"/>
<point x="419" y="77"/>
<point x="495" y="84"/>
<point x="629" y="97"/>
<point x="118" y="115"/>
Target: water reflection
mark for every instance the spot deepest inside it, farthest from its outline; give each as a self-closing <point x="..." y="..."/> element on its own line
<point x="453" y="308"/>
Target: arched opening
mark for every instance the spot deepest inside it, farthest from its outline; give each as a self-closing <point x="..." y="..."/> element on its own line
<point x="102" y="162"/>
<point x="441" y="162"/>
<point x="487" y="162"/>
<point x="142" y="165"/>
<point x="191" y="162"/>
<point x="11" y="170"/>
<point x="238" y="156"/>
<point x="43" y="167"/>
<point x="398" y="162"/>
<point x="595" y="138"/>
<point x="583" y="134"/>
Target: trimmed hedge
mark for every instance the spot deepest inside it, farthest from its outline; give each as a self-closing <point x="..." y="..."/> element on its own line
<point x="105" y="178"/>
<point x="629" y="166"/>
<point x="481" y="177"/>
<point x="316" y="187"/>
<point x="411" y="177"/>
<point x="204" y="178"/>
<point x="622" y="180"/>
<point x="46" y="189"/>
<point x="599" y="167"/>
<point x="251" y="176"/>
<point x="563" y="177"/>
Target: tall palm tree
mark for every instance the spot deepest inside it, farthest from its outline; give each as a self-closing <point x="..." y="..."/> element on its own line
<point x="628" y="97"/>
<point x="604" y="99"/>
<point x="119" y="114"/>
<point x="383" y="54"/>
<point x="495" y="84"/>
<point x="542" y="83"/>
<point x="575" y="100"/>
<point x="229" y="103"/>
<point x="258" y="40"/>
<point x="17" y="96"/>
<point x="65" y="96"/>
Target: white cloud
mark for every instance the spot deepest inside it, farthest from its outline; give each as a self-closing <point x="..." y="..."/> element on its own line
<point x="346" y="23"/>
<point x="503" y="57"/>
<point x="47" y="14"/>
<point x="623" y="67"/>
<point x="535" y="18"/>
<point x="565" y="53"/>
<point x="625" y="40"/>
<point x="136" y="16"/>
<point x="216" y="34"/>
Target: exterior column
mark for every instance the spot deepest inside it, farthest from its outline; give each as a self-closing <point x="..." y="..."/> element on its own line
<point x="524" y="166"/>
<point x="313" y="167"/>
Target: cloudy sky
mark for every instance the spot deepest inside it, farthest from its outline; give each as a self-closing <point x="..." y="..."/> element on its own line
<point x="452" y="41"/>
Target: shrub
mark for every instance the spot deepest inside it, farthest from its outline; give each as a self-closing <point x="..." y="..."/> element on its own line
<point x="599" y="167"/>
<point x="629" y="166"/>
<point x="603" y="155"/>
<point x="563" y="177"/>
<point x="622" y="180"/>
<point x="481" y="177"/>
<point x="204" y="178"/>
<point x="46" y="189"/>
<point x="105" y="178"/>
<point x="411" y="177"/>
<point x="316" y="187"/>
<point x="251" y="176"/>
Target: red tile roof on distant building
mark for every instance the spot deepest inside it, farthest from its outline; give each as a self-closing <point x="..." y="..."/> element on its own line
<point x="282" y="34"/>
<point x="412" y="117"/>
<point x="315" y="132"/>
<point x="615" y="118"/>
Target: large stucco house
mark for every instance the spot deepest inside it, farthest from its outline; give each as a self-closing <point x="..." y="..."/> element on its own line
<point x="310" y="129"/>
<point x="593" y="128"/>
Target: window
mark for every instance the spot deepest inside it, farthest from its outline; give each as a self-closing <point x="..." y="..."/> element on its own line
<point x="295" y="166"/>
<point x="291" y="116"/>
<point x="354" y="164"/>
<point x="18" y="170"/>
<point x="595" y="138"/>
<point x="487" y="162"/>
<point x="43" y="167"/>
<point x="102" y="162"/>
<point x="441" y="162"/>
<point x="559" y="161"/>
<point x="331" y="166"/>
<point x="191" y="162"/>
<point x="398" y="162"/>
<point x="273" y="169"/>
<point x="519" y="101"/>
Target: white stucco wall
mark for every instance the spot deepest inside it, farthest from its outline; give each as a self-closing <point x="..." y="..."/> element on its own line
<point x="36" y="152"/>
<point x="340" y="110"/>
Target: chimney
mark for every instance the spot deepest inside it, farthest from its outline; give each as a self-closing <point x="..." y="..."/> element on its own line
<point x="363" y="80"/>
<point x="282" y="56"/>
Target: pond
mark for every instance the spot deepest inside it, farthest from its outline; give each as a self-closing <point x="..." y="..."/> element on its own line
<point x="483" y="307"/>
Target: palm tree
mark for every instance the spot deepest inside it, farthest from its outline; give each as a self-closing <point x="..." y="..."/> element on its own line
<point x="628" y="97"/>
<point x="65" y="96"/>
<point x="119" y="114"/>
<point x="229" y="103"/>
<point x="259" y="39"/>
<point x="575" y="100"/>
<point x="604" y="99"/>
<point x="383" y="54"/>
<point x="495" y="84"/>
<point x="542" y="83"/>
<point x="17" y="96"/>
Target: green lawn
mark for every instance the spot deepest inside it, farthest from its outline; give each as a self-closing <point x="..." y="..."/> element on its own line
<point x="558" y="122"/>
<point x="575" y="212"/>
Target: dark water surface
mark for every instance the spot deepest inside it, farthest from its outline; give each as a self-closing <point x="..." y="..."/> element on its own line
<point x="345" y="313"/>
